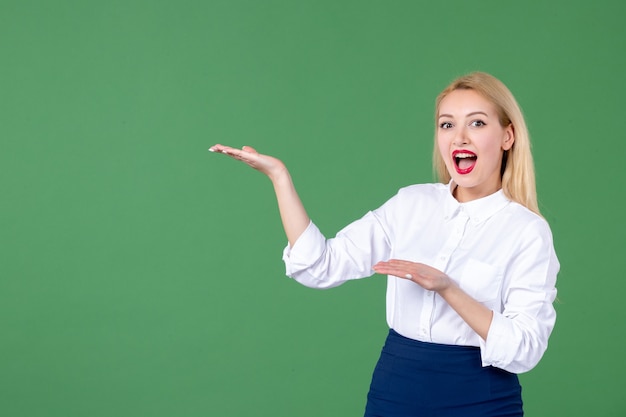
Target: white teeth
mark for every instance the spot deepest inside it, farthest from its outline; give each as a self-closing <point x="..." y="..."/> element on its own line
<point x="464" y="155"/>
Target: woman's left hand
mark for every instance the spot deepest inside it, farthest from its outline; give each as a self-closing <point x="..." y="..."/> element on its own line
<point x="426" y="276"/>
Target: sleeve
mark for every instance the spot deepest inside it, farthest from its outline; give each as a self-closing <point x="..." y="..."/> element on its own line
<point x="518" y="336"/>
<point x="321" y="263"/>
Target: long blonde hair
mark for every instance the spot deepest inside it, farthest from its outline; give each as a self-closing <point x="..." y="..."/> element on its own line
<point x="518" y="171"/>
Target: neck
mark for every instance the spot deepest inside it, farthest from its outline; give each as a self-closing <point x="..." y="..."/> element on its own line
<point x="465" y="195"/>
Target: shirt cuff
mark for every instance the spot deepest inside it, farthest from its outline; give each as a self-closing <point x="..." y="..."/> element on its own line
<point x="502" y="345"/>
<point x="305" y="251"/>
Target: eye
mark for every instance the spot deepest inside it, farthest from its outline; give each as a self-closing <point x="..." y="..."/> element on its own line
<point x="445" y="125"/>
<point x="478" y="123"/>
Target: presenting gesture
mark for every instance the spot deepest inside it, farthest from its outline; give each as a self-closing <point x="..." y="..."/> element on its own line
<point x="476" y="315"/>
<point x="292" y="213"/>
<point x="445" y="350"/>
<point x="268" y="165"/>
<point x="426" y="276"/>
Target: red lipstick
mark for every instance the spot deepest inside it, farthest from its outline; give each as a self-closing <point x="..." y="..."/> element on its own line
<point x="464" y="161"/>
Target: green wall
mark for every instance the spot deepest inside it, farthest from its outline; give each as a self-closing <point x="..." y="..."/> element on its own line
<point x="141" y="275"/>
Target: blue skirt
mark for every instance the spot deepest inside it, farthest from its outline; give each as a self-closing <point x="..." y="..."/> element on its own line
<point x="419" y="379"/>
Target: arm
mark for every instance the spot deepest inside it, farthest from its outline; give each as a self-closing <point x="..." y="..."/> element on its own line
<point x="475" y="314"/>
<point x="315" y="261"/>
<point x="292" y="213"/>
<point x="515" y="337"/>
<point x="519" y="335"/>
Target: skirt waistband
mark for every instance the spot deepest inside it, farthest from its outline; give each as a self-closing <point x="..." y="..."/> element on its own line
<point x="414" y="378"/>
<point x="402" y="346"/>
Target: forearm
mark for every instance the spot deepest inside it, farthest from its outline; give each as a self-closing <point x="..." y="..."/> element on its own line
<point x="292" y="212"/>
<point x="294" y="217"/>
<point x="476" y="315"/>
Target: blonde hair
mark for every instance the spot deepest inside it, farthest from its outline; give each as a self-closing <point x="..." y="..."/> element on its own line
<point x="518" y="172"/>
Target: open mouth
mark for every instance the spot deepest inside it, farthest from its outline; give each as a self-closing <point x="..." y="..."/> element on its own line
<point x="464" y="161"/>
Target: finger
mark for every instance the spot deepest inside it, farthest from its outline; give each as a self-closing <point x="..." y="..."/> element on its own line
<point x="388" y="266"/>
<point x="401" y="272"/>
<point x="249" y="158"/>
<point x="400" y="263"/>
<point x="246" y="154"/>
<point x="230" y="151"/>
<point x="220" y="148"/>
<point x="395" y="264"/>
<point x="249" y="149"/>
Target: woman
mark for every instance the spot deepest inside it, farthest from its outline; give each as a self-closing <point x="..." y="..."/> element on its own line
<point x="470" y="262"/>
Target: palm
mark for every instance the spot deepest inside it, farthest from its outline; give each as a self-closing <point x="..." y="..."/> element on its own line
<point x="248" y="155"/>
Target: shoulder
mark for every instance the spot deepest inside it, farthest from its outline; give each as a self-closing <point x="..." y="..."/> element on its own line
<point x="532" y="240"/>
<point x="528" y="224"/>
<point x="412" y="199"/>
<point x="432" y="190"/>
<point x="416" y="196"/>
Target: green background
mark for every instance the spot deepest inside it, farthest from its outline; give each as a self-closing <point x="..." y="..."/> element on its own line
<point x="141" y="275"/>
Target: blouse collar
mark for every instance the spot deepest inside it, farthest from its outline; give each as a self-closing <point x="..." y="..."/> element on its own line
<point x="478" y="210"/>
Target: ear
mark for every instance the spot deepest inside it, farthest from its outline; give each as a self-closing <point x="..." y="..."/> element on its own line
<point x="509" y="137"/>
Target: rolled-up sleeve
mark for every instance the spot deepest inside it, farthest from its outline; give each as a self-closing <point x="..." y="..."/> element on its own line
<point x="518" y="336"/>
<point x="317" y="262"/>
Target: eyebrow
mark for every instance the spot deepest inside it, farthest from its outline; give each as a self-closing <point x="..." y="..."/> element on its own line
<point x="467" y="115"/>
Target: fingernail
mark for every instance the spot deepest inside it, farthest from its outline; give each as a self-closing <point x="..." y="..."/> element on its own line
<point x="211" y="150"/>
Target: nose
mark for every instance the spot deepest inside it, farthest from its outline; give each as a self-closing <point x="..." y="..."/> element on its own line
<point x="460" y="137"/>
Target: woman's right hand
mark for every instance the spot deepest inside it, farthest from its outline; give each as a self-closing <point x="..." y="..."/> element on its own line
<point x="268" y="165"/>
<point x="292" y="213"/>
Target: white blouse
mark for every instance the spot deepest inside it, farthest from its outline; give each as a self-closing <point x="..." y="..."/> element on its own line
<point x="498" y="252"/>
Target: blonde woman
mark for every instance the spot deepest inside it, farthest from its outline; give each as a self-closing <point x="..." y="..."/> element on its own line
<point x="470" y="262"/>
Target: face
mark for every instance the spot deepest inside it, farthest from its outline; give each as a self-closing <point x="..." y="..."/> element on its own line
<point x="472" y="142"/>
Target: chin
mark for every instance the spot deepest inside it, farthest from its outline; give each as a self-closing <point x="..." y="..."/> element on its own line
<point x="462" y="180"/>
